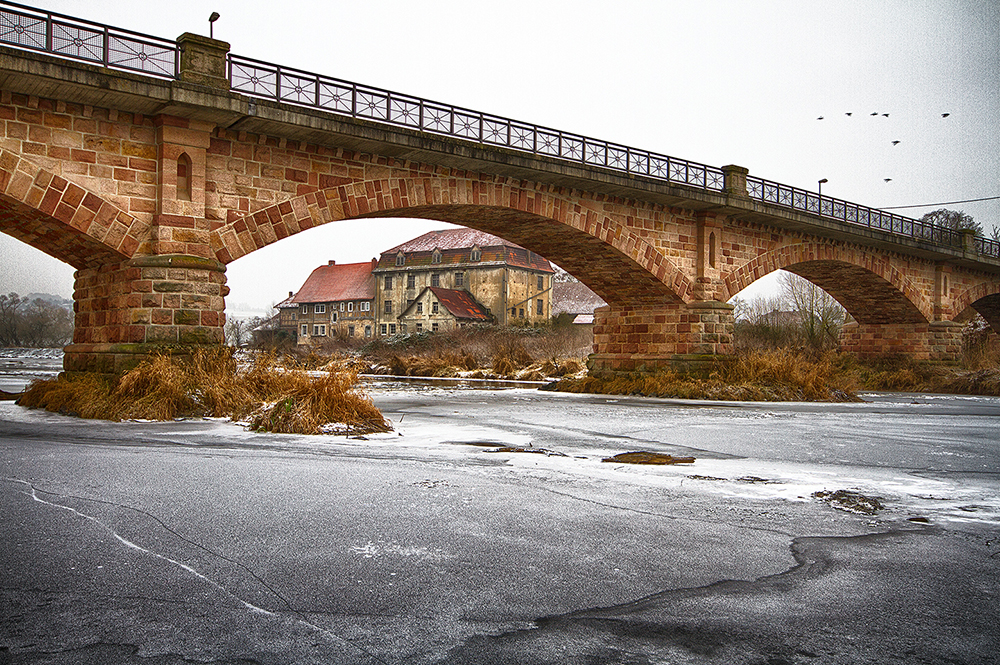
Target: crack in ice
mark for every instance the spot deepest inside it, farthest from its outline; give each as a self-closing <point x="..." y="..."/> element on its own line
<point x="299" y="616"/>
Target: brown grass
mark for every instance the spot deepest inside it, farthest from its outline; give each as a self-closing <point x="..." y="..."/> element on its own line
<point x="771" y="376"/>
<point x="212" y="383"/>
<point x="646" y="457"/>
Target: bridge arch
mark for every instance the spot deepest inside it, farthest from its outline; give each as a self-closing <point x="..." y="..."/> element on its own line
<point x="869" y="287"/>
<point x="611" y="259"/>
<point x="63" y="219"/>
<point x="983" y="299"/>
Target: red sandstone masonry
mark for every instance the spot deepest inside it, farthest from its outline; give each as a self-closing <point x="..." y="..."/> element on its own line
<point x="95" y="187"/>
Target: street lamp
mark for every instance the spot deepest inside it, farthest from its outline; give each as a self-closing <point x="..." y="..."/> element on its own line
<point x="820" y="202"/>
<point x="211" y="24"/>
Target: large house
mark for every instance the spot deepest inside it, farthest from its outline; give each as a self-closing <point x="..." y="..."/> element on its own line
<point x="336" y="300"/>
<point x="446" y="279"/>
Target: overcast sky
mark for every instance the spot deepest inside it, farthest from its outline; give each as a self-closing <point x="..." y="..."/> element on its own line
<point x="718" y="82"/>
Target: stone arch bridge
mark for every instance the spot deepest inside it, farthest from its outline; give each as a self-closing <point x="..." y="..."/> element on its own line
<point x="150" y="171"/>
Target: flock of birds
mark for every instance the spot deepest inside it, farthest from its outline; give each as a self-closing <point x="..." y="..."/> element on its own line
<point x="884" y="115"/>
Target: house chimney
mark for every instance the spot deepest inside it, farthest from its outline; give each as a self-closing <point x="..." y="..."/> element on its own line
<point x="332" y="263"/>
<point x="291" y="293"/>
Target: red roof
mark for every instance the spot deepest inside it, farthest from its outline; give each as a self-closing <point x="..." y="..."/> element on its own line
<point x="461" y="304"/>
<point x="331" y="283"/>
<point x="456" y="246"/>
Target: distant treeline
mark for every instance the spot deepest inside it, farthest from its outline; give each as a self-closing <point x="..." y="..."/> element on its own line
<point x="34" y="322"/>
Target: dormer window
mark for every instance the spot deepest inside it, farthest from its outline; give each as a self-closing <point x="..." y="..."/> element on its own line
<point x="476" y="255"/>
<point x="401" y="259"/>
<point x="436" y="256"/>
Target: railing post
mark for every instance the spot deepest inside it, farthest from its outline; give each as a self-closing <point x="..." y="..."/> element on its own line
<point x="203" y="61"/>
<point x="734" y="181"/>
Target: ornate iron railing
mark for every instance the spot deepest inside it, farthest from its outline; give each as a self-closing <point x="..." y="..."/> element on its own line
<point x="29" y="28"/>
<point x="78" y="39"/>
<point x="285" y="84"/>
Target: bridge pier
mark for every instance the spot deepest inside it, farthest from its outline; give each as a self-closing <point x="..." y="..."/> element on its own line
<point x="169" y="304"/>
<point x="691" y="338"/>
<point x="938" y="341"/>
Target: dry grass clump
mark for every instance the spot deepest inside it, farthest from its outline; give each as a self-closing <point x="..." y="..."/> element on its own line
<point x="756" y="376"/>
<point x="212" y="383"/>
<point x="646" y="457"/>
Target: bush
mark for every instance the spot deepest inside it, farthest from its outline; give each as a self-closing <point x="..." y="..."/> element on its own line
<point x="213" y="383"/>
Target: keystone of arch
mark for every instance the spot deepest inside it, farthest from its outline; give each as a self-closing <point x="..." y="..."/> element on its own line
<point x="62" y="218"/>
<point x="516" y="213"/>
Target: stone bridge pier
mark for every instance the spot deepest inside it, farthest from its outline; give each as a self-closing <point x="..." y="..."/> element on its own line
<point x="692" y="337"/>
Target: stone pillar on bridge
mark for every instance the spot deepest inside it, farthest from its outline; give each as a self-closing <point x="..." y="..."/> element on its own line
<point x="170" y="297"/>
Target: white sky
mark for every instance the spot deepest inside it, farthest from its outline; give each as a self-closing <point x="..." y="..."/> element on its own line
<point x="718" y="82"/>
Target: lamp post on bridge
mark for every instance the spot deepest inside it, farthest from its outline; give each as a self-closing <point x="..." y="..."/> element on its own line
<point x="819" y="206"/>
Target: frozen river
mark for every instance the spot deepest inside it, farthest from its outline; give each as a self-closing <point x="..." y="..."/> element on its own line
<point x="196" y="540"/>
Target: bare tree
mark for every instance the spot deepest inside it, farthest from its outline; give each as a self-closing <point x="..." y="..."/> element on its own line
<point x="10" y="319"/>
<point x="821" y="316"/>
<point x="237" y="331"/>
<point x="956" y="220"/>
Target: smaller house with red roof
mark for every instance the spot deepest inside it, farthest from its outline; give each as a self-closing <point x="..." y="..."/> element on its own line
<point x="437" y="309"/>
<point x="336" y="300"/>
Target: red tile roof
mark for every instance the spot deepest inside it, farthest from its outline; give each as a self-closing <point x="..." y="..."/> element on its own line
<point x="456" y="245"/>
<point x="461" y="304"/>
<point x="331" y="283"/>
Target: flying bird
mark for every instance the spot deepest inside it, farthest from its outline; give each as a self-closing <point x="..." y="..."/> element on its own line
<point x="820" y="118"/>
<point x="848" y="114"/>
<point x="886" y="115"/>
<point x="945" y="115"/>
<point x="895" y="142"/>
<point x="887" y="179"/>
<point x="876" y="113"/>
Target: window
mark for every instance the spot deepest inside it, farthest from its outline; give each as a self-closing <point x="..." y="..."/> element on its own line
<point x="368" y="331"/>
<point x="520" y="313"/>
<point x="350" y="331"/>
<point x="420" y="327"/>
<point x="381" y="329"/>
<point x="435" y="279"/>
<point x="541" y="282"/>
<point x="459" y="279"/>
<point x="319" y="331"/>
<point x="420" y="308"/>
<point x="388" y="307"/>
<point x="400" y="259"/>
<point x="366" y="306"/>
<point x="436" y="256"/>
<point x="476" y="254"/>
<point x="539" y="307"/>
<point x="184" y="177"/>
<point x="513" y="312"/>
<point x="434" y="327"/>
<point x="320" y="309"/>
<point x="387" y="285"/>
<point x="333" y="317"/>
<point x="305" y="330"/>
<point x="305" y="309"/>
<point x="341" y="307"/>
<point x="434" y="307"/>
<point x="350" y="306"/>
<point x="411" y="281"/>
<point x="392" y="328"/>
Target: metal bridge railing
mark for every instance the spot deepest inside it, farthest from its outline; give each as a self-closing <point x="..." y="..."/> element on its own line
<point x="29" y="28"/>
<point x="285" y="84"/>
<point x="39" y="30"/>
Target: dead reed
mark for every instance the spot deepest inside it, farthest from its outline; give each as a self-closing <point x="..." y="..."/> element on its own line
<point x="213" y="383"/>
